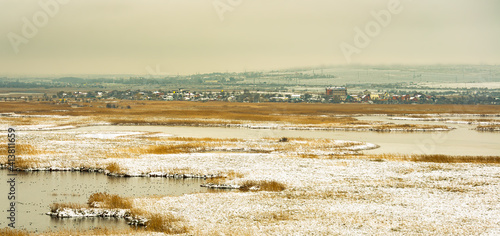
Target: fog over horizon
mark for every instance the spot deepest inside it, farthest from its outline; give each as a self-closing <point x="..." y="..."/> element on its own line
<point x="53" y="37"/>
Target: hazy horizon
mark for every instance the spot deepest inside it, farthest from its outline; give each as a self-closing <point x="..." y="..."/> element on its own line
<point x="318" y="68"/>
<point x="171" y="37"/>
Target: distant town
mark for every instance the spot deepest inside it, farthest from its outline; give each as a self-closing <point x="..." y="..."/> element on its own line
<point x="365" y="85"/>
<point x="330" y="95"/>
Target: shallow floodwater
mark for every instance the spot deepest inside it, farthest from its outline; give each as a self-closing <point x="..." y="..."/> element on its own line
<point x="36" y="191"/>
<point x="463" y="140"/>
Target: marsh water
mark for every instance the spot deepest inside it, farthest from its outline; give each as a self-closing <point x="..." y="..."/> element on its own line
<point x="463" y="140"/>
<point x="36" y="191"/>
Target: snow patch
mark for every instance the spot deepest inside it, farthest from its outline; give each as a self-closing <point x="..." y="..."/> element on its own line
<point x="107" y="135"/>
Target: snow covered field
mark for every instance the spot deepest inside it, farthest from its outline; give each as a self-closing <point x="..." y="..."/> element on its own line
<point x="57" y="122"/>
<point x="324" y="195"/>
<point x="350" y="197"/>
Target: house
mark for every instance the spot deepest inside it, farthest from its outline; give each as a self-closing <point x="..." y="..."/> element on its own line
<point x="337" y="91"/>
<point x="167" y="97"/>
<point x="366" y="98"/>
<point x="295" y="97"/>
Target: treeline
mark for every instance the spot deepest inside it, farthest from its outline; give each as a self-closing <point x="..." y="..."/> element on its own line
<point x="19" y="84"/>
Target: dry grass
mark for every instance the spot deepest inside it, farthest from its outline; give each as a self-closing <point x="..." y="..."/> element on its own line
<point x="174" y="148"/>
<point x="377" y="157"/>
<point x="239" y="231"/>
<point x="453" y="189"/>
<point x="233" y="174"/>
<point x="221" y="114"/>
<point x="106" y="154"/>
<point x="22" y="149"/>
<point x="218" y="180"/>
<point x="166" y="223"/>
<point x="338" y="195"/>
<point x="105" y="200"/>
<point x="22" y="120"/>
<point x="172" y="109"/>
<point x="406" y="127"/>
<point x="176" y="145"/>
<point x="456" y="159"/>
<point x="114" y="168"/>
<point x="188" y="147"/>
<point x="308" y="155"/>
<point x="193" y="113"/>
<point x="95" y="231"/>
<point x="178" y="170"/>
<point x="26" y="163"/>
<point x="229" y="175"/>
<point x="192" y="139"/>
<point x="211" y="118"/>
<point x="266" y="145"/>
<point x="263" y="185"/>
<point x="441" y="183"/>
<point x="480" y="120"/>
<point x="97" y="197"/>
<point x="171" y="122"/>
<point x="274" y="216"/>
<point x="434" y="158"/>
<point x="327" y="146"/>
<point x="488" y="128"/>
<point x="55" y="206"/>
<point x="420" y="116"/>
<point x="13" y="232"/>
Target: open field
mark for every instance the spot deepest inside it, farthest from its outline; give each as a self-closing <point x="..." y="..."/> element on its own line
<point x="236" y="111"/>
<point x="43" y="116"/>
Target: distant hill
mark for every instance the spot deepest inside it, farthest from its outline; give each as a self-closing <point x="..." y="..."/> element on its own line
<point x="74" y="80"/>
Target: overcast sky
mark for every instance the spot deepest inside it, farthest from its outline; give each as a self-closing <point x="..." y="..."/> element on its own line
<point x="190" y="36"/>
